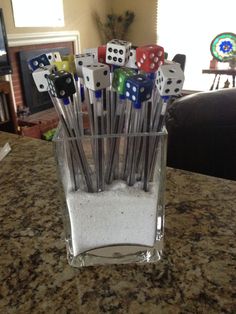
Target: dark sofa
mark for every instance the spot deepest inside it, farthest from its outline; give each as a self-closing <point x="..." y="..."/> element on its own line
<point x="202" y="133"/>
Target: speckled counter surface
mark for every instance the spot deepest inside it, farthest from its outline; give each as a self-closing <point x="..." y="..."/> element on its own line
<point x="196" y="275"/>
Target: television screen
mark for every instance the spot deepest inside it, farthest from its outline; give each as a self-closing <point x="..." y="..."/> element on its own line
<point x="5" y="65"/>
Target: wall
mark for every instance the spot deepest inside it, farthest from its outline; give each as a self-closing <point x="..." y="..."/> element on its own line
<point x="77" y="15"/>
<point x="143" y="30"/>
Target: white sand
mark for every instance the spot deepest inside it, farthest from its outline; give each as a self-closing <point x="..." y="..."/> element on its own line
<point x="122" y="215"/>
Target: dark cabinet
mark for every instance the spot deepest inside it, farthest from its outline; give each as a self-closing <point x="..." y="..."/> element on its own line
<point x="8" y="119"/>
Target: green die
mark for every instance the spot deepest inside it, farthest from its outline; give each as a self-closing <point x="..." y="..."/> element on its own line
<point x="120" y="77"/>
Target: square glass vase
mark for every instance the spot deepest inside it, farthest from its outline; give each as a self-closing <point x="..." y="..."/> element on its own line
<point x="112" y="189"/>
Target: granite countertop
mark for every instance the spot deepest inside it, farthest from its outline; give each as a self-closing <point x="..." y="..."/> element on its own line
<point x="196" y="275"/>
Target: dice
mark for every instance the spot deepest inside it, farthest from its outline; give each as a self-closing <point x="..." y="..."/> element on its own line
<point x="53" y="56"/>
<point x="40" y="78"/>
<point x="81" y="60"/>
<point x="118" y="52"/>
<point x="102" y="54"/>
<point x="66" y="64"/>
<point x="170" y="79"/>
<point x="138" y="89"/>
<point x="94" y="52"/>
<point x="62" y="66"/>
<point x="61" y="84"/>
<point x="96" y="76"/>
<point x="149" y="57"/>
<point x="56" y="56"/>
<point x="132" y="63"/>
<point x="38" y="62"/>
<point x="71" y="63"/>
<point x="50" y="57"/>
<point x="120" y="77"/>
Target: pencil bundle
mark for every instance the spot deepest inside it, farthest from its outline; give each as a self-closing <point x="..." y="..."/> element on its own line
<point x="125" y="91"/>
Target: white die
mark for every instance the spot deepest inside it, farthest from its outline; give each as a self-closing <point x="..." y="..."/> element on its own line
<point x="96" y="76"/>
<point x="118" y="52"/>
<point x="50" y="57"/>
<point x="170" y="79"/>
<point x="93" y="51"/>
<point x="132" y="59"/>
<point x="40" y="78"/>
<point x="53" y="56"/>
<point x="81" y="60"/>
<point x="57" y="56"/>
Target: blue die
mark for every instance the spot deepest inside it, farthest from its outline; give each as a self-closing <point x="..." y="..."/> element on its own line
<point x="38" y="62"/>
<point x="138" y="89"/>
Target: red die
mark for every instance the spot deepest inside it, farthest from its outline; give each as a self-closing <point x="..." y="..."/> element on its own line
<point x="102" y="54"/>
<point x="149" y="57"/>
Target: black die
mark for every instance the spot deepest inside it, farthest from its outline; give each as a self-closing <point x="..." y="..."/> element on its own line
<point x="61" y="84"/>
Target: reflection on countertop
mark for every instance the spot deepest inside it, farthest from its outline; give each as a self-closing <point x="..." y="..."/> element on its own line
<point x="196" y="275"/>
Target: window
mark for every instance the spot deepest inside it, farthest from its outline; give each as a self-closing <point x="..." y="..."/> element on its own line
<point x="188" y="27"/>
<point x="38" y="13"/>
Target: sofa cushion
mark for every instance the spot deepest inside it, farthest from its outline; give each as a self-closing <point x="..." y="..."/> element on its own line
<point x="202" y="133"/>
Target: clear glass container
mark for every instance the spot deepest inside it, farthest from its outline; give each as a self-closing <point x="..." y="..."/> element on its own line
<point x="112" y="189"/>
